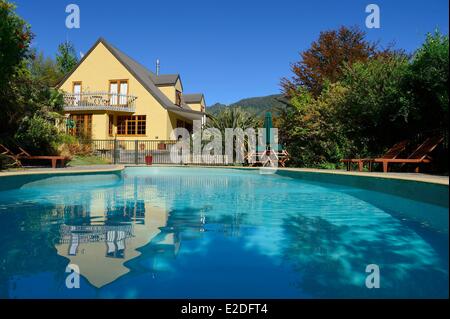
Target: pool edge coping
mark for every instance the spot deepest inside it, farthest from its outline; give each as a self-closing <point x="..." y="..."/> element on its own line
<point x="421" y="178"/>
<point x="412" y="177"/>
<point x="58" y="171"/>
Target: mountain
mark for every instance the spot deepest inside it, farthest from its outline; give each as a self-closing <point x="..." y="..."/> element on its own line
<point x="254" y="105"/>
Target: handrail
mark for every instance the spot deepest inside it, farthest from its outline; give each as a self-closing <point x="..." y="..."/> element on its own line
<point x="98" y="99"/>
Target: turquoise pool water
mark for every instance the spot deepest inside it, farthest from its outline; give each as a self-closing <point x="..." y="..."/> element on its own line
<point x="216" y="233"/>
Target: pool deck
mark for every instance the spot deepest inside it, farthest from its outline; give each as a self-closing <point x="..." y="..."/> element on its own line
<point x="417" y="177"/>
<point x="65" y="170"/>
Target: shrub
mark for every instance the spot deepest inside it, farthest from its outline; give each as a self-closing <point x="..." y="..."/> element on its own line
<point x="71" y="146"/>
<point x="5" y="162"/>
<point x="38" y="135"/>
<point x="310" y="129"/>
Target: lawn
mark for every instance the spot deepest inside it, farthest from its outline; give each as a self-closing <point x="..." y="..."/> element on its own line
<point x="79" y="160"/>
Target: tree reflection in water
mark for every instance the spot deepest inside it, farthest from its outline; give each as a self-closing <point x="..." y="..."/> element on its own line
<point x="331" y="260"/>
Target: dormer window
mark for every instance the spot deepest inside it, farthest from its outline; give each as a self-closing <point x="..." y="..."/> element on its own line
<point x="177" y="98"/>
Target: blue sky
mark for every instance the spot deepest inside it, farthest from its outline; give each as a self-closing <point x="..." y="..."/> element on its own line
<point x="227" y="49"/>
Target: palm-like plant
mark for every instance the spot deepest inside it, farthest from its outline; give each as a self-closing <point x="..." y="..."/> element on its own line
<point x="232" y="118"/>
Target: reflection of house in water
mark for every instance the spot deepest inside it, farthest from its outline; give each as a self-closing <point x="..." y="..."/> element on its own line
<point x="109" y="228"/>
<point x="102" y="236"/>
<point x="191" y="220"/>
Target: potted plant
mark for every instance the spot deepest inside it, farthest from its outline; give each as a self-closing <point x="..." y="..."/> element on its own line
<point x="148" y="159"/>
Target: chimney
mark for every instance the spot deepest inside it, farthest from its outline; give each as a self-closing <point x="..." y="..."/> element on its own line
<point x="157" y="67"/>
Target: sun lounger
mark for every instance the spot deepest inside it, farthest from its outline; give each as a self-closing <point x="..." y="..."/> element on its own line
<point x="392" y="153"/>
<point x="421" y="155"/>
<point x="53" y="159"/>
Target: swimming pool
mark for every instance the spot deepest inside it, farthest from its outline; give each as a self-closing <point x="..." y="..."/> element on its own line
<point x="218" y="233"/>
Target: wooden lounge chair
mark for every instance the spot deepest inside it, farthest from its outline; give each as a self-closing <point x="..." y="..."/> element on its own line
<point x="54" y="159"/>
<point x="392" y="153"/>
<point x="15" y="158"/>
<point x="419" y="156"/>
<point x="280" y="154"/>
<point x="265" y="156"/>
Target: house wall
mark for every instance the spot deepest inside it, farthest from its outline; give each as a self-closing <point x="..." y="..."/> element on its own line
<point x="195" y="106"/>
<point x="172" y="121"/>
<point x="99" y="67"/>
<point x="169" y="90"/>
<point x="100" y="125"/>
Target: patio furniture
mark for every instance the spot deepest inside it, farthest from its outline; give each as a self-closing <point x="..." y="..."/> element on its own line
<point x="97" y="99"/>
<point x="266" y="155"/>
<point x="11" y="155"/>
<point x="392" y="153"/>
<point x="53" y="159"/>
<point x="419" y="156"/>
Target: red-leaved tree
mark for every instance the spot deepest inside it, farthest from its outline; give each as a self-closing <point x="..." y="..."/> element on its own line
<point x="325" y="59"/>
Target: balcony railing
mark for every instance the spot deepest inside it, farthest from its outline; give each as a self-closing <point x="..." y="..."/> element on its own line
<point x="99" y="101"/>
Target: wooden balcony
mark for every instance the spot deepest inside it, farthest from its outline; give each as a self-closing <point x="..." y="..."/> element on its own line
<point x="99" y="101"/>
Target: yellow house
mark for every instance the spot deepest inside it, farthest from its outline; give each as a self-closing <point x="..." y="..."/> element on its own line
<point x="109" y="95"/>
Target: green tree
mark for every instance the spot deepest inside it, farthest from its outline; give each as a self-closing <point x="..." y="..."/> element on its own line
<point x="45" y="70"/>
<point x="359" y="107"/>
<point x="377" y="108"/>
<point x="29" y="106"/>
<point x="360" y="115"/>
<point x="15" y="38"/>
<point x="66" y="58"/>
<point x="310" y="129"/>
<point x="428" y="82"/>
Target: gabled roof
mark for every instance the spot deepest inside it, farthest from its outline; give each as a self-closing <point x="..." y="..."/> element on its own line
<point x="140" y="72"/>
<point x="193" y="98"/>
<point x="165" y="79"/>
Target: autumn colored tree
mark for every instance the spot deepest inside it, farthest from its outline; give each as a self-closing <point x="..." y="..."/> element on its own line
<point x="326" y="58"/>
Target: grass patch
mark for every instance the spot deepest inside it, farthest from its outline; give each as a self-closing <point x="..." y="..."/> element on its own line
<point x="79" y="160"/>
